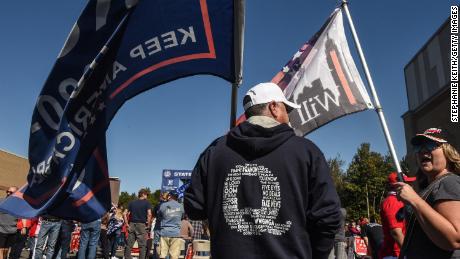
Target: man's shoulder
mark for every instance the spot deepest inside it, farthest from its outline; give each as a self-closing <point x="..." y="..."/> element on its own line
<point x="392" y="200"/>
<point x="304" y="141"/>
<point x="139" y="202"/>
<point x="373" y="225"/>
<point x="308" y="146"/>
<point x="391" y="204"/>
<point x="216" y="143"/>
<point x="147" y="204"/>
<point x="131" y="203"/>
<point x="167" y="204"/>
<point x="175" y="203"/>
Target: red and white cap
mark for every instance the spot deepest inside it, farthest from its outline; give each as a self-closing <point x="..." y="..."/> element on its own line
<point x="393" y="178"/>
<point x="434" y="134"/>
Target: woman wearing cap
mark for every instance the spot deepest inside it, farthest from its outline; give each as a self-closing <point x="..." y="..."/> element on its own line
<point x="433" y="229"/>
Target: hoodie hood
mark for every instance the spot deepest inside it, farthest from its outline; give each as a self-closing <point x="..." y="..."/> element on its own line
<point x="253" y="141"/>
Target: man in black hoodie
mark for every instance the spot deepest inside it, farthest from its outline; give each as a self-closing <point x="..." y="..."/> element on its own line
<point x="266" y="192"/>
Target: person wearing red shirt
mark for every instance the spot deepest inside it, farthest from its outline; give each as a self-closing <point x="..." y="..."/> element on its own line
<point x="33" y="233"/>
<point x="393" y="223"/>
<point x="353" y="229"/>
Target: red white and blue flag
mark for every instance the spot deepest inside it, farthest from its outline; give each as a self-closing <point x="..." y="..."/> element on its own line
<point x="322" y="77"/>
<point x="116" y="50"/>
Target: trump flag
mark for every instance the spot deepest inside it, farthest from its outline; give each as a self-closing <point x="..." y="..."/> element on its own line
<point x="116" y="50"/>
<point x="322" y="77"/>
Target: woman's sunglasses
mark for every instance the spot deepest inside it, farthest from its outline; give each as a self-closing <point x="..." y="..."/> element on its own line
<point x="426" y="146"/>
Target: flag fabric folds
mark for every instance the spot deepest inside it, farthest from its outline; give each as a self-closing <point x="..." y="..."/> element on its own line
<point x="116" y="50"/>
<point x="322" y="77"/>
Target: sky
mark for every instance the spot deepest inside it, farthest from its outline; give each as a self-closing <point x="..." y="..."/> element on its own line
<point x="169" y="126"/>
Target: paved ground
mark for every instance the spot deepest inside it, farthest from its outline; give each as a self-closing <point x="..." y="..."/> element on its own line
<point x="25" y="254"/>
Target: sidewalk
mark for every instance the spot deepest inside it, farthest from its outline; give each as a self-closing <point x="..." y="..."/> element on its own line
<point x="25" y="254"/>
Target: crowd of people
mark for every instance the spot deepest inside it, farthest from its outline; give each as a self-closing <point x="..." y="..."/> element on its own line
<point x="158" y="231"/>
<point x="267" y="193"/>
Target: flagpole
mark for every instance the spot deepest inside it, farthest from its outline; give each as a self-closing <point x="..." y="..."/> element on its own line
<point x="378" y="107"/>
<point x="233" y="104"/>
<point x="239" y="21"/>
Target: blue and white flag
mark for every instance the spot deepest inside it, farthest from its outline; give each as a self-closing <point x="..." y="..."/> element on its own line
<point x="116" y="50"/>
<point x="181" y="190"/>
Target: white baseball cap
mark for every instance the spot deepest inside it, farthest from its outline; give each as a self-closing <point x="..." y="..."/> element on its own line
<point x="265" y="93"/>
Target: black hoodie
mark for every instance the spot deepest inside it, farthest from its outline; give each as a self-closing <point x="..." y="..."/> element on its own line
<point x="266" y="193"/>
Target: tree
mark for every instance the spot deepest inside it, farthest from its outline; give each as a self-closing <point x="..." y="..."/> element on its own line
<point x="404" y="164"/>
<point x="125" y="197"/>
<point x="365" y="181"/>
<point x="153" y="198"/>
<point x="337" y="173"/>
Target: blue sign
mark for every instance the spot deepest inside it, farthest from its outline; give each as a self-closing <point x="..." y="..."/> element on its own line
<point x="174" y="179"/>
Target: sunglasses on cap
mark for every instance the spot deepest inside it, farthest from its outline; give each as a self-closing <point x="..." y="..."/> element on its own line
<point x="426" y="146"/>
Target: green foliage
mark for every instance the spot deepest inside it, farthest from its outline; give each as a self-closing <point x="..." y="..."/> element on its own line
<point x="364" y="181"/>
<point x="337" y="173"/>
<point x="405" y="164"/>
<point x="154" y="198"/>
<point x="125" y="197"/>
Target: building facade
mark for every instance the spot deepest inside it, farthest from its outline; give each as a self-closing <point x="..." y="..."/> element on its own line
<point x="427" y="77"/>
<point x="13" y="171"/>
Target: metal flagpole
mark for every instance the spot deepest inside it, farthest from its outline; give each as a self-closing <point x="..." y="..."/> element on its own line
<point x="239" y="7"/>
<point x="233" y="105"/>
<point x="378" y="107"/>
